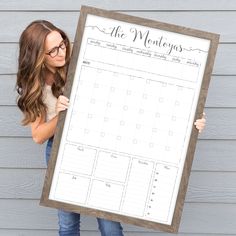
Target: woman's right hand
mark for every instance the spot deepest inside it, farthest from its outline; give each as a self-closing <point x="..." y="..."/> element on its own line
<point x="62" y="104"/>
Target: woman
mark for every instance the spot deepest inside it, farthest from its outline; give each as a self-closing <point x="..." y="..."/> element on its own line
<point x="43" y="62"/>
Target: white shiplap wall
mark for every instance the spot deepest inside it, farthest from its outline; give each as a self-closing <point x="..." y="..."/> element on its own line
<point x="210" y="207"/>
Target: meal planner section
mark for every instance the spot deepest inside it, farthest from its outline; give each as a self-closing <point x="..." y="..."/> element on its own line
<point x="115" y="182"/>
<point x="126" y="131"/>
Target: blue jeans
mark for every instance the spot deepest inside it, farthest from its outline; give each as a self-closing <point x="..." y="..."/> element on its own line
<point x="69" y="222"/>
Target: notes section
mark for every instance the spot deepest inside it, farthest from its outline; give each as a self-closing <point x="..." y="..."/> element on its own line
<point x="137" y="187"/>
<point x="164" y="178"/>
<point x="78" y="159"/>
<point x="72" y="188"/>
<point x="119" y="183"/>
<point x="112" y="167"/>
<point x="102" y="193"/>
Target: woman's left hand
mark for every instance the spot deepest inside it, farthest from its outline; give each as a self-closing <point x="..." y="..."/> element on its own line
<point x="200" y="123"/>
<point x="62" y="104"/>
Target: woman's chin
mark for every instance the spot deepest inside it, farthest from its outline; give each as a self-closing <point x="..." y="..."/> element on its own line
<point x="60" y="64"/>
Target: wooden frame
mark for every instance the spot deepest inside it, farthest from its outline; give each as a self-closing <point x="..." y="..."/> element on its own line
<point x="143" y="53"/>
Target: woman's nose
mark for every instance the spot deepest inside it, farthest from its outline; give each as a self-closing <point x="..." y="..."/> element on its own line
<point x="61" y="52"/>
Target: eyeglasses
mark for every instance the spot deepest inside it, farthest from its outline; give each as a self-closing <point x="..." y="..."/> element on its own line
<point x="54" y="52"/>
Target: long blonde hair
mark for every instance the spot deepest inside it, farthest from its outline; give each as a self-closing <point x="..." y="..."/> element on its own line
<point x="32" y="71"/>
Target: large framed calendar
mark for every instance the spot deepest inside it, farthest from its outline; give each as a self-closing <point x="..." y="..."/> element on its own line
<point x="124" y="149"/>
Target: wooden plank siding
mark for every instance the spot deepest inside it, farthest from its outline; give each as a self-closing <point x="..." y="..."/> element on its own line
<point x="118" y="5"/>
<point x="210" y="206"/>
<point x="204" y="187"/>
<point x="216" y="22"/>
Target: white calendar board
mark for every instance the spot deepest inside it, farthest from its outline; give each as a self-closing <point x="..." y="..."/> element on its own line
<point x="126" y="133"/>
